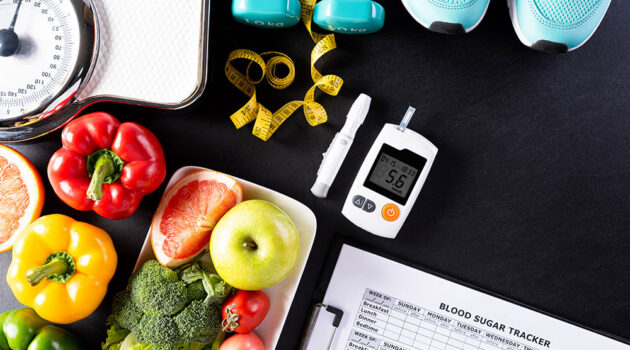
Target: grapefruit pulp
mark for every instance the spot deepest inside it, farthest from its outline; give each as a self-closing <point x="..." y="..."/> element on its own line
<point x="21" y="195"/>
<point x="187" y="214"/>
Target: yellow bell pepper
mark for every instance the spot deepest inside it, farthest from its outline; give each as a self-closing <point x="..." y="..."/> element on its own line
<point x="61" y="268"/>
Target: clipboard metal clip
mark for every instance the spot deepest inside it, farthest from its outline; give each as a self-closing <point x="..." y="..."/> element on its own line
<point x="313" y="320"/>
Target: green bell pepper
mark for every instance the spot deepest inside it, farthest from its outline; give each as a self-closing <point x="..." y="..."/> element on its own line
<point x="23" y="329"/>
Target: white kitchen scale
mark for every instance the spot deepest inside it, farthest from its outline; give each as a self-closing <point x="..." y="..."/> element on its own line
<point x="390" y="179"/>
<point x="59" y="56"/>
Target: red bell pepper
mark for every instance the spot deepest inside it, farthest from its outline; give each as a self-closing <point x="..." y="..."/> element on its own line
<point x="106" y="166"/>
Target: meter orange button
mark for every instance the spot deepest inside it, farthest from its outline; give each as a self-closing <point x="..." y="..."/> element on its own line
<point x="390" y="212"/>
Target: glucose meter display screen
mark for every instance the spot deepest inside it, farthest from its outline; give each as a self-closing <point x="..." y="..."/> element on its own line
<point x="394" y="173"/>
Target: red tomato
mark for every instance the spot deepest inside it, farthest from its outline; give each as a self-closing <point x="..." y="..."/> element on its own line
<point x="244" y="311"/>
<point x="247" y="341"/>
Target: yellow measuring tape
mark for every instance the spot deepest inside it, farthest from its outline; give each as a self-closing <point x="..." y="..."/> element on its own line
<point x="266" y="122"/>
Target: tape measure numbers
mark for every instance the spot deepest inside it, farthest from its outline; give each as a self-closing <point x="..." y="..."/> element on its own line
<point x="266" y="122"/>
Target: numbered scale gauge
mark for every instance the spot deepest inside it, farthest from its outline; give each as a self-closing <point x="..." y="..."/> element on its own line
<point x="48" y="49"/>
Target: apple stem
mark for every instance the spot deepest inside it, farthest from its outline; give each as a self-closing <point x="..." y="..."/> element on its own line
<point x="250" y="245"/>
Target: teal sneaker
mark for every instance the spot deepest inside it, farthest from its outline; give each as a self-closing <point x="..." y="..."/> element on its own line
<point x="556" y="26"/>
<point x="448" y="16"/>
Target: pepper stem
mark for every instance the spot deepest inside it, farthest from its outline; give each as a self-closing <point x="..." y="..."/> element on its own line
<point x="58" y="267"/>
<point x="104" y="166"/>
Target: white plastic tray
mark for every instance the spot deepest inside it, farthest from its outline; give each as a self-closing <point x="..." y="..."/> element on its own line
<point x="281" y="295"/>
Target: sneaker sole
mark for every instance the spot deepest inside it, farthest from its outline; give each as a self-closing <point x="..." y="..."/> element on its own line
<point x="543" y="45"/>
<point x="445" y="27"/>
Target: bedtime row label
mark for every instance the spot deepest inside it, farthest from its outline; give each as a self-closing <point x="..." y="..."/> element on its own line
<point x="387" y="323"/>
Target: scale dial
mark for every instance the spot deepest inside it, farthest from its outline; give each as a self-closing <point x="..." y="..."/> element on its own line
<point x="55" y="51"/>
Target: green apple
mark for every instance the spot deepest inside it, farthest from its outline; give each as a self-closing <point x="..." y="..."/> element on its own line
<point x="254" y="246"/>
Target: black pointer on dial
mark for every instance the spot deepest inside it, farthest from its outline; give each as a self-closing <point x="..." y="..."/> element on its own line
<point x="9" y="41"/>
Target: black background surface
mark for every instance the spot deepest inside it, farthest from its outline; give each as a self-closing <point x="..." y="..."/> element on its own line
<point x="530" y="193"/>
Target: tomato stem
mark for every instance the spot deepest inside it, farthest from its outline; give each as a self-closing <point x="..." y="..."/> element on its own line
<point x="58" y="267"/>
<point x="230" y="323"/>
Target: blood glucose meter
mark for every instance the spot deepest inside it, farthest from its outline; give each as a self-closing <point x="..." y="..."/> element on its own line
<point x="390" y="179"/>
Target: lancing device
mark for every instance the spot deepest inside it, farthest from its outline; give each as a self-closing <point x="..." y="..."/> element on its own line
<point x="338" y="149"/>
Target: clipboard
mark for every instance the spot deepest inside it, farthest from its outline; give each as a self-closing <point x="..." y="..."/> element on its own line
<point x="324" y="324"/>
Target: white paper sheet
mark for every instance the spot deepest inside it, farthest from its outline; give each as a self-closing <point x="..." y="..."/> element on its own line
<point x="391" y="306"/>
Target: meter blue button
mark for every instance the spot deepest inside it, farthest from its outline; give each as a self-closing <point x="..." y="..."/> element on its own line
<point x="358" y="201"/>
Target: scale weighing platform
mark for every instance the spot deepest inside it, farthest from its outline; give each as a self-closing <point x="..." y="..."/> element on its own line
<point x="59" y="56"/>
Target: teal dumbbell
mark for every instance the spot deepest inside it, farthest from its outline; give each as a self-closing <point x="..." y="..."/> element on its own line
<point x="267" y="13"/>
<point x="349" y="16"/>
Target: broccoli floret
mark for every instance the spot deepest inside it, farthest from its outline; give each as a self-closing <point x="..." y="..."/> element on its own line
<point x="199" y="322"/>
<point x="196" y="291"/>
<point x="215" y="287"/>
<point x="124" y="311"/>
<point x="118" y="304"/>
<point x="157" y="330"/>
<point x="193" y="346"/>
<point x="165" y="309"/>
<point x="156" y="289"/>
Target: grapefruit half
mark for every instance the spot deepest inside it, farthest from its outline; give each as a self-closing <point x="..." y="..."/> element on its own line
<point x="187" y="214"/>
<point x="21" y="195"/>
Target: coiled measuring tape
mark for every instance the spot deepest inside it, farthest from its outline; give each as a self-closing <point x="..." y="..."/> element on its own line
<point x="267" y="122"/>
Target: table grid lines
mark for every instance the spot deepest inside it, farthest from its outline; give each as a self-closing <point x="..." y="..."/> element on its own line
<point x="388" y="323"/>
